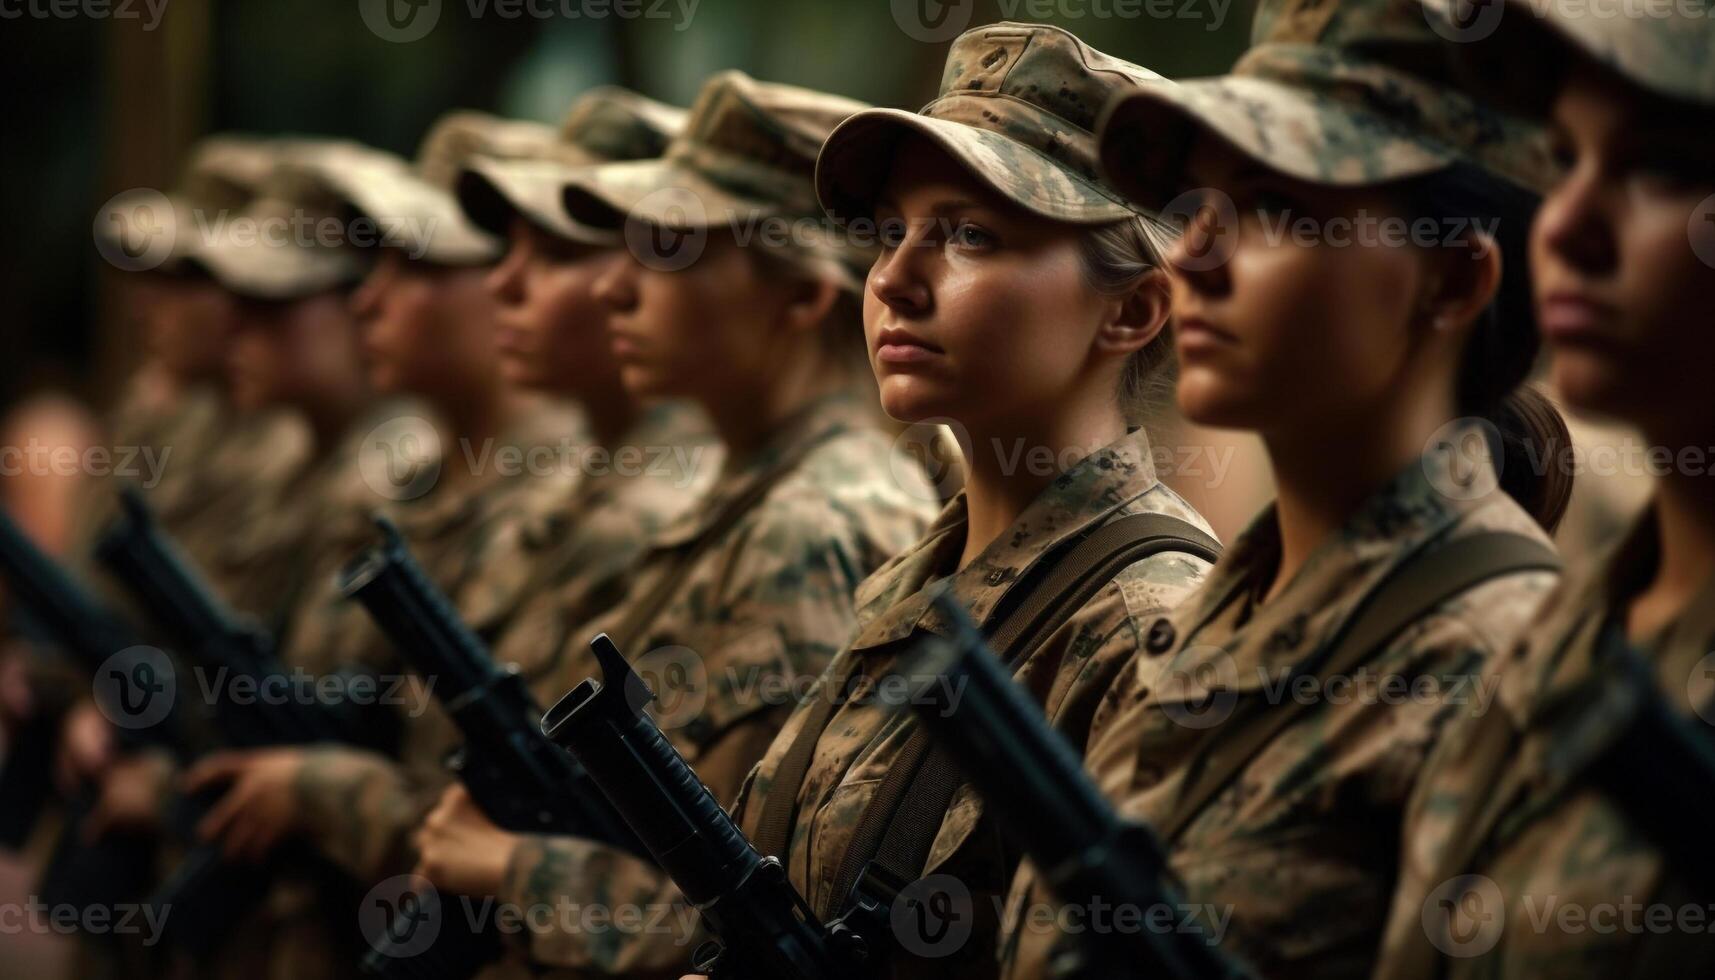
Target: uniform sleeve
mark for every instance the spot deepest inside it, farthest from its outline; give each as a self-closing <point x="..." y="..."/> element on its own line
<point x="358" y="808"/>
<point x="771" y="612"/>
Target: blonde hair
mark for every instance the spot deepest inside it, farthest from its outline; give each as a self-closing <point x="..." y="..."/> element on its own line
<point x="1116" y="257"/>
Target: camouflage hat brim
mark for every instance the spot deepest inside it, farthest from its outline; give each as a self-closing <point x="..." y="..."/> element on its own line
<point x="664" y="192"/>
<point x="258" y="269"/>
<point x="1516" y="54"/>
<point x="858" y="156"/>
<point x="408" y="212"/>
<point x="1299" y="132"/>
<point x="490" y="192"/>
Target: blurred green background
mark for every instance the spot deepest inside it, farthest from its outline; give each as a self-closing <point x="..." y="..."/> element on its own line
<point x="108" y="94"/>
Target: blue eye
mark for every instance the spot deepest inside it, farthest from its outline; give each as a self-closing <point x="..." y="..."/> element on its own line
<point x="968" y="235"/>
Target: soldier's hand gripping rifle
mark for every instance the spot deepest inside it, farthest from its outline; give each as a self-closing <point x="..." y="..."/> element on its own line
<point x="62" y="612"/>
<point x="522" y="781"/>
<point x="1034" y="784"/>
<point x="763" y="928"/>
<point x="206" y="893"/>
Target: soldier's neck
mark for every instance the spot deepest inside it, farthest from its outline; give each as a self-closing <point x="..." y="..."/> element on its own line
<point x="1685" y="515"/>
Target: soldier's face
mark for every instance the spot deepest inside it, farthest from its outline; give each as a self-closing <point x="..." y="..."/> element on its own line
<point x="427" y="329"/>
<point x="1285" y="331"/>
<point x="187" y="325"/>
<point x="977" y="310"/>
<point x="291" y="354"/>
<point x="552" y="330"/>
<point x="701" y="332"/>
<point x="1623" y="256"/>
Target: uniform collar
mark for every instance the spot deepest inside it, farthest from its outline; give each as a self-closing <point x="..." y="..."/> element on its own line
<point x="893" y="602"/>
<point x="1407" y="515"/>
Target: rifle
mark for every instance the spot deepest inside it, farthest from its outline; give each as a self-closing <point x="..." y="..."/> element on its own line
<point x="61" y="610"/>
<point x="764" y="928"/>
<point x="207" y="894"/>
<point x="522" y="781"/>
<point x="1034" y="784"/>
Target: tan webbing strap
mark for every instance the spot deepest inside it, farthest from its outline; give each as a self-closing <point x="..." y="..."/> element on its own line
<point x="898" y="826"/>
<point x="637" y="618"/>
<point x="1407" y="595"/>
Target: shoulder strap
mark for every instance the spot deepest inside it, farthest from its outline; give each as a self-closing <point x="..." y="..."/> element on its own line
<point x="898" y="826"/>
<point x="637" y="618"/>
<point x="1406" y="596"/>
<point x="774" y="829"/>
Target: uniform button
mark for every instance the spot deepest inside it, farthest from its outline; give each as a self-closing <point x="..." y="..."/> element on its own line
<point x="1160" y="638"/>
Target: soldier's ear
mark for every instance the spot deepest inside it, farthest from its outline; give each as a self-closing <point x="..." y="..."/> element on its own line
<point x="1459" y="285"/>
<point x="810" y="303"/>
<point x="1138" y="317"/>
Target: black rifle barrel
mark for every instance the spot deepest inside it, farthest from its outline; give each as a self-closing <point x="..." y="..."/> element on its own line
<point x="520" y="779"/>
<point x="1034" y="783"/>
<point x="764" y="929"/>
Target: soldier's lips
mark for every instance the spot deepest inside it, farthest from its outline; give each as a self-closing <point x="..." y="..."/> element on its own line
<point x="1194" y="335"/>
<point x="624" y="346"/>
<point x="1572" y="318"/>
<point x="894" y="346"/>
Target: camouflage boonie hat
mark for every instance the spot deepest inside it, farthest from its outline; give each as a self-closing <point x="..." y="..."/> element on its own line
<point x="747" y="154"/>
<point x="413" y="206"/>
<point x="288" y="243"/>
<point x="1017" y="108"/>
<point x="1336" y="92"/>
<point x="1517" y="50"/>
<point x="221" y="176"/>
<point x="605" y="125"/>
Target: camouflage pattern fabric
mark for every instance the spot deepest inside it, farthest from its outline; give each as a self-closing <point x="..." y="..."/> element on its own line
<point x="1292" y="860"/>
<point x="1354" y="93"/>
<point x="1017" y="108"/>
<point x="1562" y="882"/>
<point x="757" y="619"/>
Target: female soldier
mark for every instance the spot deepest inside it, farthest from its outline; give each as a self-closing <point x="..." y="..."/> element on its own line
<point x="1339" y="291"/>
<point x="1020" y="297"/>
<point x="749" y="592"/>
<point x="1535" y="845"/>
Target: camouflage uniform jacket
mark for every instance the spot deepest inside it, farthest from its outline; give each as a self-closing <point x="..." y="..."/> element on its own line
<point x="1562" y="881"/>
<point x="1292" y="862"/>
<point x="359" y="804"/>
<point x="762" y="611"/>
<point x="1068" y="673"/>
<point x="534" y="570"/>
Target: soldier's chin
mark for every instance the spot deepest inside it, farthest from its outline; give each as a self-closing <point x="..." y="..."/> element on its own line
<point x="1207" y="397"/>
<point x="1590" y="381"/>
<point x="912" y="398"/>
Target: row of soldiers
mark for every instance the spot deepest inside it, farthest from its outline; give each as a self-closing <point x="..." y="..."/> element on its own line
<point x="1378" y="734"/>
